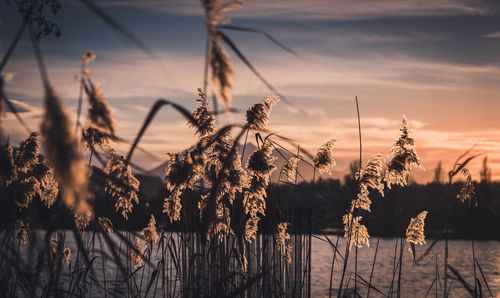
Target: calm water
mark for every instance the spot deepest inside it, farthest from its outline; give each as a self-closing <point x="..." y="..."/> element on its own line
<point x="416" y="279"/>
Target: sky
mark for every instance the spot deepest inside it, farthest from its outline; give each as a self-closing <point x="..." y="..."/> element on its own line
<point x="436" y="61"/>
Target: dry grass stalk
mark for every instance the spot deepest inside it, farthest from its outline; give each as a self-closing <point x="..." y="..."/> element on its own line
<point x="281" y="242"/>
<point x="53" y="246"/>
<point x="220" y="62"/>
<point x="27" y="155"/>
<point x="93" y="137"/>
<point x="22" y="228"/>
<point x="467" y="192"/>
<point x="2" y="99"/>
<point x="8" y="172"/>
<point x="404" y="157"/>
<point x="415" y="231"/>
<point x="355" y="232"/>
<point x="136" y="253"/>
<point x="87" y="57"/>
<point x="149" y="234"/>
<point x="99" y="113"/>
<point x="82" y="217"/>
<point x="204" y="119"/>
<point x="257" y="115"/>
<point x="222" y="223"/>
<point x="371" y="177"/>
<point x="25" y="175"/>
<point x="222" y="168"/>
<point x="48" y="187"/>
<point x="180" y="176"/>
<point x="105" y="224"/>
<point x="121" y="183"/>
<point x="323" y="160"/>
<point x="260" y="165"/>
<point x="66" y="255"/>
<point x="26" y="190"/>
<point x="62" y="151"/>
<point x="289" y="169"/>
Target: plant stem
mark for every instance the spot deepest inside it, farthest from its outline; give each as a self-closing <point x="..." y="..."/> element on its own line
<point x="208" y="50"/>
<point x="445" y="288"/>
<point x="333" y="265"/>
<point x="373" y="267"/>
<point x="14" y="43"/>
<point x="80" y="100"/>
<point x="244" y="145"/>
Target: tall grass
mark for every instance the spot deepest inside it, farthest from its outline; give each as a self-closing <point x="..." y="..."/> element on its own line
<point x="219" y="233"/>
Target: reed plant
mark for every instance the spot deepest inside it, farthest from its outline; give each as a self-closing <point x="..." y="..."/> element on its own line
<point x="218" y="232"/>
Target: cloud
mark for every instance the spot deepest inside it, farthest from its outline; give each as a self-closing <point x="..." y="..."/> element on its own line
<point x="321" y="9"/>
<point x="447" y="103"/>
<point x="22" y="107"/>
<point x="491" y="35"/>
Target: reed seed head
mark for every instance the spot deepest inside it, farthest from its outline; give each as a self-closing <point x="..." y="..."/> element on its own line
<point x="22" y="228"/>
<point x="53" y="246"/>
<point x="99" y="113"/>
<point x="222" y="223"/>
<point x="355" y="233"/>
<point x="467" y="192"/>
<point x="260" y="163"/>
<point x="8" y="173"/>
<point x="149" y="234"/>
<point x="415" y="231"/>
<point x="136" y="253"/>
<point x="281" y="234"/>
<point x="87" y="57"/>
<point x="204" y="119"/>
<point x="251" y="228"/>
<point x="93" y="137"/>
<point x="82" y="216"/>
<point x="27" y="155"/>
<point x="371" y="177"/>
<point x="323" y="160"/>
<point x="220" y="62"/>
<point x="286" y="254"/>
<point x="105" y="224"/>
<point x="180" y="176"/>
<point x="48" y="188"/>
<point x="26" y="190"/>
<point x="257" y="115"/>
<point x="62" y="152"/>
<point x="222" y="72"/>
<point x="243" y="262"/>
<point x="404" y="157"/>
<point x="121" y="183"/>
<point x="172" y="205"/>
<point x="66" y="255"/>
<point x="216" y="9"/>
<point x="289" y="170"/>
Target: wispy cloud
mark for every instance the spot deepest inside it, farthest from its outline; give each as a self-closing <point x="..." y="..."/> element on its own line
<point x="322" y="9"/>
<point x="451" y="103"/>
<point x="491" y="35"/>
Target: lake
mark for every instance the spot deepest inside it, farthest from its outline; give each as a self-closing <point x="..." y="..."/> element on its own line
<point x="416" y="278"/>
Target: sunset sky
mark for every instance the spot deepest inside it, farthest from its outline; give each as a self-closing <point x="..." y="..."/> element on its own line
<point x="437" y="61"/>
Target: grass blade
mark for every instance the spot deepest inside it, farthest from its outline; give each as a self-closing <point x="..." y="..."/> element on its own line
<point x="267" y="35"/>
<point x="154" y="109"/>
<point x="465" y="284"/>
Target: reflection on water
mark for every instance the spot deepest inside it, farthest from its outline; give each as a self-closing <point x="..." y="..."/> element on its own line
<point x="416" y="278"/>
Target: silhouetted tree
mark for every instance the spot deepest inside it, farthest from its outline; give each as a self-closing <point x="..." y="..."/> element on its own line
<point x="485" y="172"/>
<point x="438" y="173"/>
